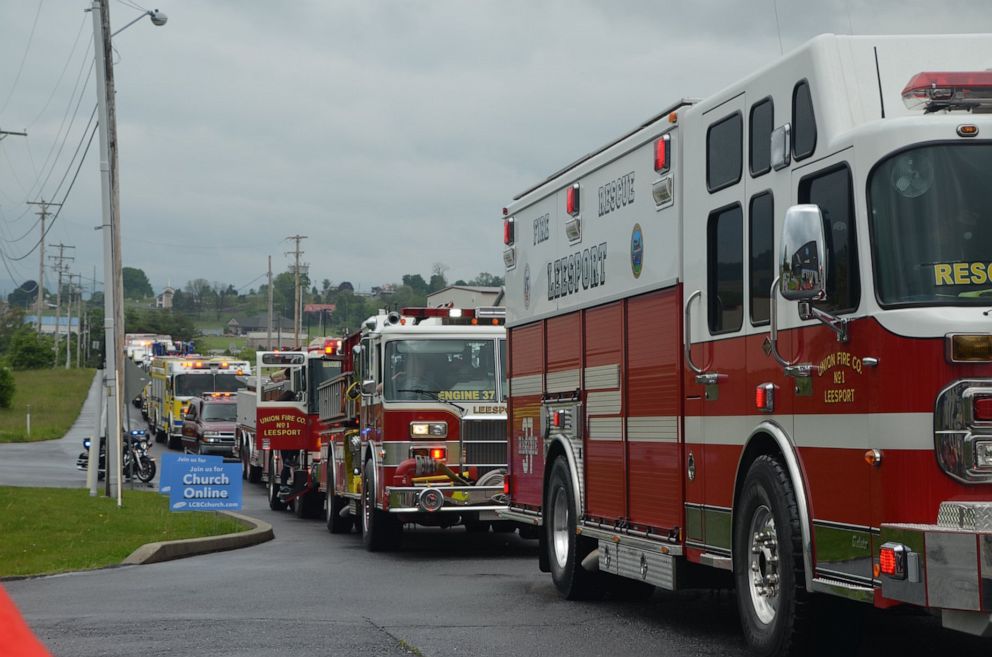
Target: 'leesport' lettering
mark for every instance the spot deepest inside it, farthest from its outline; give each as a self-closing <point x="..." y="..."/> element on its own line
<point x="578" y="271"/>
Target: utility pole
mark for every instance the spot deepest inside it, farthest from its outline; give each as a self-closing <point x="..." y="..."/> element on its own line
<point x="80" y="322"/>
<point x="61" y="267"/>
<point x="268" y="334"/>
<point x="110" y="195"/>
<point x="297" y="298"/>
<point x="43" y="214"/>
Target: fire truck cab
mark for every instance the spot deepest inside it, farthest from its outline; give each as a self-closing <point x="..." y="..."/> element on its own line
<point x="414" y="430"/>
<point x="752" y="335"/>
<point x="278" y="424"/>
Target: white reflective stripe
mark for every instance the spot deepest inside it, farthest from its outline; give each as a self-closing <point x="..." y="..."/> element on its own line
<point x="605" y="428"/>
<point x="521" y="386"/>
<point x="564" y="381"/>
<point x="653" y="429"/>
<point x="603" y="403"/>
<point x="602" y="377"/>
<point x="909" y="431"/>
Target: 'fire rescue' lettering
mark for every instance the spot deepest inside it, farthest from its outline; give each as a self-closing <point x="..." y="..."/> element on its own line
<point x="580" y="270"/>
<point x="616" y="194"/>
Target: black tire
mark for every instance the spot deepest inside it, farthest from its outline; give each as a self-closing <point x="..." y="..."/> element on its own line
<point x="769" y="575"/>
<point x="275" y="503"/>
<point x="244" y="465"/>
<point x="159" y="435"/>
<point x="333" y="507"/>
<point x="310" y="505"/>
<point x="565" y="554"/>
<point x="380" y="531"/>
<point x="254" y="473"/>
<point x="146" y="469"/>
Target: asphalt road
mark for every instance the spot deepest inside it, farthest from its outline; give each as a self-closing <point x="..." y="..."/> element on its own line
<point x="446" y="593"/>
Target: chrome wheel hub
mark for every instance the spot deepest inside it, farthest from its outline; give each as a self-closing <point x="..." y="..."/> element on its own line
<point x="763" y="566"/>
<point x="559" y="526"/>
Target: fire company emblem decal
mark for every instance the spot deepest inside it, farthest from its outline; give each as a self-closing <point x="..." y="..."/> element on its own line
<point x="636" y="251"/>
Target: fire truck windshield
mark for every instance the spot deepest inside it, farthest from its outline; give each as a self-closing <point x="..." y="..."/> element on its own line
<point x="930" y="210"/>
<point x="194" y="385"/>
<point x="451" y="370"/>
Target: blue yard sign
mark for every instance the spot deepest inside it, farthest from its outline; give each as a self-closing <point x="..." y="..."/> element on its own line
<point x="200" y="483"/>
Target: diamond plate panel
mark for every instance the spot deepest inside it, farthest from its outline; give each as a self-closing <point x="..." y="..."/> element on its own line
<point x="971" y="516"/>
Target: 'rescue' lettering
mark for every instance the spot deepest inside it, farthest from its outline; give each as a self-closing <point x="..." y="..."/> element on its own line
<point x="616" y="194"/>
<point x="578" y="271"/>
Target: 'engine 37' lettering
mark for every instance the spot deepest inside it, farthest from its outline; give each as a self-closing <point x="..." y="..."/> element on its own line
<point x="581" y="270"/>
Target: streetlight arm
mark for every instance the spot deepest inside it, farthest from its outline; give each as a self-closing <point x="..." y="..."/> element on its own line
<point x="158" y="18"/>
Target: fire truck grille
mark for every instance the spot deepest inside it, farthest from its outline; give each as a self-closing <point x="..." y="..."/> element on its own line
<point x="484" y="444"/>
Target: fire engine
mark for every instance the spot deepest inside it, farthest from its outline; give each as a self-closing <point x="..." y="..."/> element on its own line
<point x="414" y="429"/>
<point x="177" y="380"/>
<point x="753" y="335"/>
<point x="277" y="418"/>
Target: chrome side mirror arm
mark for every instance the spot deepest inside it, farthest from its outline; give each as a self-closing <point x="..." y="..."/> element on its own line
<point x="836" y="324"/>
<point x="773" y="327"/>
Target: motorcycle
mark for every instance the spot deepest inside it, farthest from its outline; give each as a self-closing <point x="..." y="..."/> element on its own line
<point x="136" y="463"/>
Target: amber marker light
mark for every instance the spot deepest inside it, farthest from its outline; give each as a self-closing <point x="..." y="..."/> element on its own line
<point x="969" y="347"/>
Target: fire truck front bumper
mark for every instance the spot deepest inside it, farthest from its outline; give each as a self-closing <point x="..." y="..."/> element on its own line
<point x="946" y="567"/>
<point x="446" y="499"/>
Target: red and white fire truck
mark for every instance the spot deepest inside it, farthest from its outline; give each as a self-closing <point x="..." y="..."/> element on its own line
<point x="278" y="425"/>
<point x="415" y="426"/>
<point x="754" y="335"/>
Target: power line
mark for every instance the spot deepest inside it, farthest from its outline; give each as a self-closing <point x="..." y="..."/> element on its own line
<point x="27" y="49"/>
<point x="62" y="202"/>
<point x="65" y="67"/>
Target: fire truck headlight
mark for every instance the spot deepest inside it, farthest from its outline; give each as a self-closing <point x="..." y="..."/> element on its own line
<point x="983" y="453"/>
<point x="428" y="429"/>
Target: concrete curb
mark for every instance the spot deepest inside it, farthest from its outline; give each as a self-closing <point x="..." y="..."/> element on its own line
<point x="169" y="550"/>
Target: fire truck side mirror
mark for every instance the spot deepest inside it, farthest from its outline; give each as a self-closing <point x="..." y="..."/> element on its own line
<point x="803" y="266"/>
<point x="368" y="386"/>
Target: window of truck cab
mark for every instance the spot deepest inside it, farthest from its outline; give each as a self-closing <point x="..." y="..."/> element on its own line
<point x="444" y="369"/>
<point x="928" y="208"/>
<point x="832" y="190"/>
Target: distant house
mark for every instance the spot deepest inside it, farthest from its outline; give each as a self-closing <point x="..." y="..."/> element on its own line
<point x="48" y="324"/>
<point x="164" y="298"/>
<point x="465" y="296"/>
<point x="281" y="339"/>
<point x="256" y="323"/>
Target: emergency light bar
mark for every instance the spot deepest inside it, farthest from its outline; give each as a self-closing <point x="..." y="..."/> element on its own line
<point x="495" y="314"/>
<point x="218" y="395"/>
<point x="936" y="90"/>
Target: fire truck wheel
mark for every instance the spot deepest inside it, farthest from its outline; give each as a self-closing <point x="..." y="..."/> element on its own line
<point x="566" y="549"/>
<point x="380" y="531"/>
<point x="254" y="471"/>
<point x="769" y="575"/>
<point x="333" y="507"/>
<point x="274" y="502"/>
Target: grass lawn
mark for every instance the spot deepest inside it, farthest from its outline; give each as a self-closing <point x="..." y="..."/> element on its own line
<point x="205" y="343"/>
<point x="55" y="397"/>
<point x="53" y="530"/>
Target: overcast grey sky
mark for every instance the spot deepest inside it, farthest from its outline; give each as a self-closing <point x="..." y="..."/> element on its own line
<point x="391" y="133"/>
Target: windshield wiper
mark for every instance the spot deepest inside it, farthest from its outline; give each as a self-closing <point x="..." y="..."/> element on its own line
<point x="433" y="394"/>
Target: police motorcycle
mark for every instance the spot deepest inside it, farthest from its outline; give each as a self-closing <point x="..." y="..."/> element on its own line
<point x="137" y="462"/>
